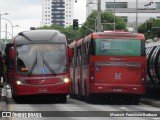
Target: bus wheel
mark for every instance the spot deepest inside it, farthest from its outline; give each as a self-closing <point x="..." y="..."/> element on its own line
<point x="14" y="97"/>
<point x="135" y="100"/>
<point x="89" y="99"/>
<point x="63" y="99"/>
<point x="73" y="96"/>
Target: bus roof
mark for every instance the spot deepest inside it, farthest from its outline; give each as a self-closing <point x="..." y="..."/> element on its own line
<point x="116" y="34"/>
<point x="109" y="34"/>
<point x="40" y="36"/>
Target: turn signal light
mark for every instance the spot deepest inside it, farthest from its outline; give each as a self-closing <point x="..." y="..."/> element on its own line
<point x="24" y="69"/>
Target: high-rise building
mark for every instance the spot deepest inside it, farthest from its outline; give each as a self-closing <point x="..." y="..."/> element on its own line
<point x="59" y="12"/>
<point x="127" y="10"/>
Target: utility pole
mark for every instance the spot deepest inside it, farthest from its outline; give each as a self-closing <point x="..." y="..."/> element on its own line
<point x="114" y="17"/>
<point x="6" y="35"/>
<point x="0" y="29"/>
<point x="136" y="25"/>
<point x="99" y="27"/>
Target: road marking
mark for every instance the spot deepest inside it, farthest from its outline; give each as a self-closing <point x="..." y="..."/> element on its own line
<point x="123" y="108"/>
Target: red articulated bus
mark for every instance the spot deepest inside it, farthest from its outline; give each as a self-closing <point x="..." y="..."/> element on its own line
<point x="38" y="64"/>
<point x="108" y="63"/>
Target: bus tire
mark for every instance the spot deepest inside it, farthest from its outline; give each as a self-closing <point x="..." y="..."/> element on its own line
<point x="63" y="99"/>
<point x="16" y="99"/>
<point x="135" y="100"/>
<point x="89" y="99"/>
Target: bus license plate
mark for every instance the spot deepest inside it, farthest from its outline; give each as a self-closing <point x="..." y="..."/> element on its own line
<point x="42" y="90"/>
<point x="117" y="89"/>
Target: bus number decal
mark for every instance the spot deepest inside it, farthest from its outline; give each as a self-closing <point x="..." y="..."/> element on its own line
<point x="118" y="76"/>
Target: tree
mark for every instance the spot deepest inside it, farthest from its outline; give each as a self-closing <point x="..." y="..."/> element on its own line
<point x="71" y="34"/>
<point x="143" y="28"/>
<point x="52" y="27"/>
<point x="107" y="17"/>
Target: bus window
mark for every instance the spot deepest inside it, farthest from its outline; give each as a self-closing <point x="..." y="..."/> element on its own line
<point x="117" y="47"/>
<point x="47" y="59"/>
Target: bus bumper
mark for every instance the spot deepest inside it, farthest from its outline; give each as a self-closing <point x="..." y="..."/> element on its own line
<point x="124" y="89"/>
<point x="22" y="90"/>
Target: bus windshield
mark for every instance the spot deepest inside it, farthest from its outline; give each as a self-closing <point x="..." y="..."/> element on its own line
<point x="118" y="47"/>
<point x="38" y="59"/>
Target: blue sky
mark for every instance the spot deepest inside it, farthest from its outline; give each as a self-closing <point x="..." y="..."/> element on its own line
<point x="28" y="13"/>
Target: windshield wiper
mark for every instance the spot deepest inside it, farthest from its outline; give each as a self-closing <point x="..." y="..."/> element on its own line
<point x="48" y="66"/>
<point x="33" y="66"/>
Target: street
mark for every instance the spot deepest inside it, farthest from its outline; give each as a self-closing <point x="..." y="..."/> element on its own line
<point x="85" y="111"/>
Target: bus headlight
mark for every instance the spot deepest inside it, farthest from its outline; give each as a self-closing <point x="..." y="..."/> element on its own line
<point x="66" y="80"/>
<point x="18" y="82"/>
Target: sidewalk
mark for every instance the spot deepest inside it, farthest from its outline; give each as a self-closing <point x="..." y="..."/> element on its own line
<point x="2" y="108"/>
<point x="3" y="100"/>
<point x="2" y="105"/>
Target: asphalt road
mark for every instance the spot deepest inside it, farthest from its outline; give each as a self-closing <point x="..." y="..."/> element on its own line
<point x="42" y="109"/>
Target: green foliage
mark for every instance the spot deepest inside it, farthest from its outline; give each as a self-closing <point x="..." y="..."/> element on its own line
<point x="52" y="27"/>
<point x="107" y="17"/>
<point x="71" y="34"/>
<point x="90" y="23"/>
<point x="143" y="28"/>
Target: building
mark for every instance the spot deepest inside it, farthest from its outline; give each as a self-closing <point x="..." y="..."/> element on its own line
<point x="127" y="10"/>
<point x="59" y="12"/>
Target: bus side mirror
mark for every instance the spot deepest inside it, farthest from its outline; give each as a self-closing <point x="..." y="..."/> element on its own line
<point x="70" y="52"/>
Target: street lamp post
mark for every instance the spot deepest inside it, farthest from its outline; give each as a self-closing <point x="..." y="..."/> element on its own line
<point x="7" y="33"/>
<point x="0" y="27"/>
<point x="12" y="29"/>
<point x="11" y="25"/>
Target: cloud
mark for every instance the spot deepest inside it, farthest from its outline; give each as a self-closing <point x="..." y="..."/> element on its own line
<point x="25" y="13"/>
<point x="80" y="11"/>
<point x="28" y="13"/>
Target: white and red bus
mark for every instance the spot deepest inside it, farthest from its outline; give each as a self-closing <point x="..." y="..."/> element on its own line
<point x="38" y="64"/>
<point x="109" y="63"/>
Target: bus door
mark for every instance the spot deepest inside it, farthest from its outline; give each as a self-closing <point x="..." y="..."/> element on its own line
<point x="9" y="62"/>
